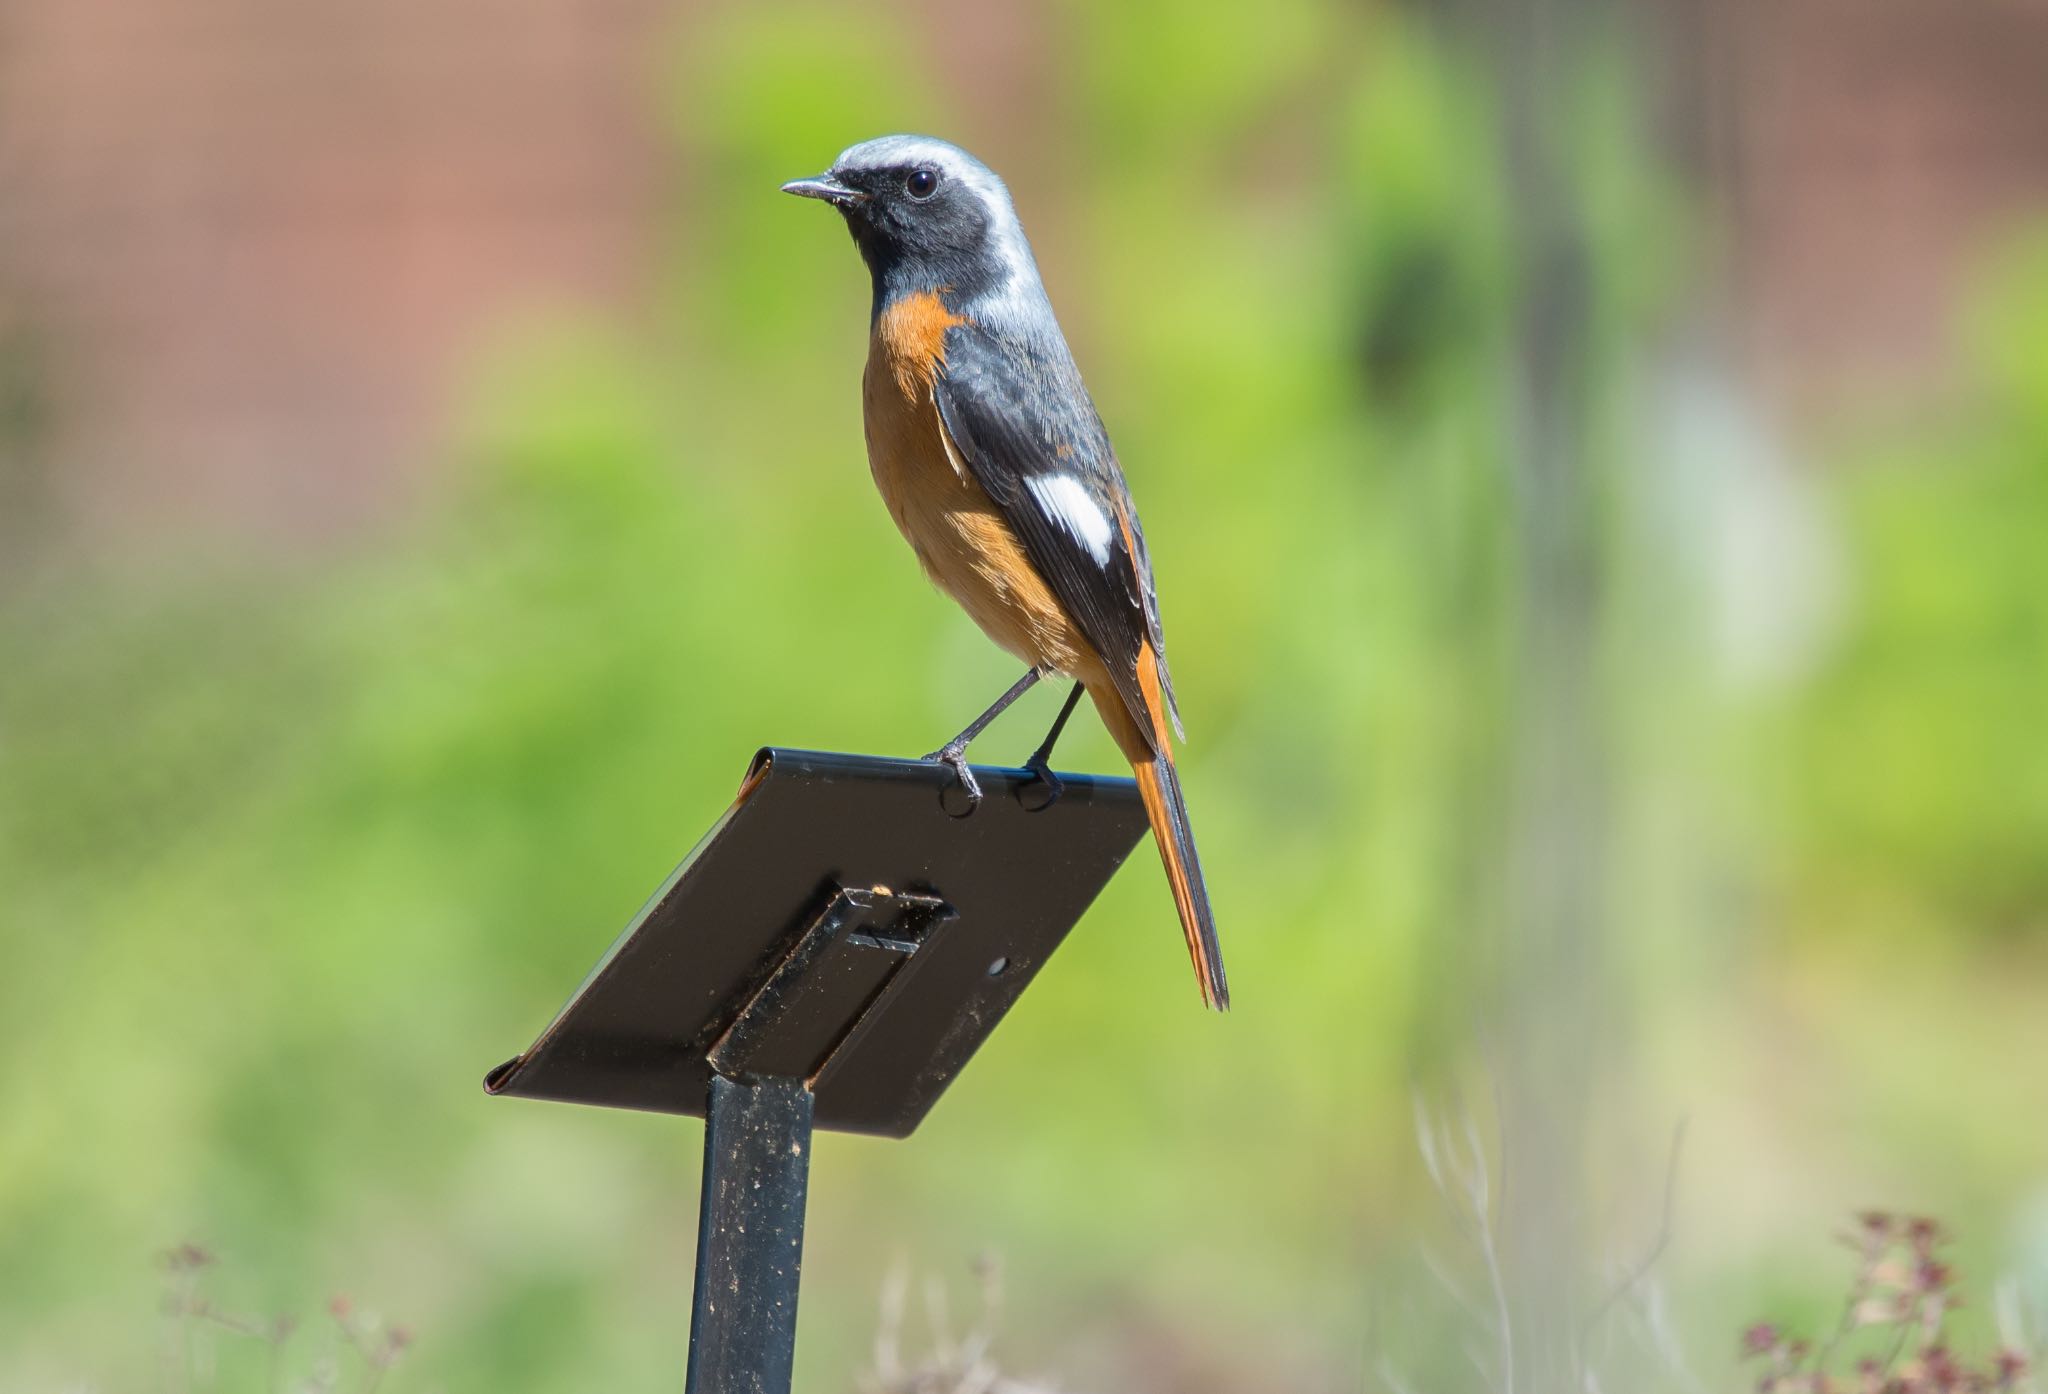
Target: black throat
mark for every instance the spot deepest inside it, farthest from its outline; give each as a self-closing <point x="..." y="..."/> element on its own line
<point x="957" y="276"/>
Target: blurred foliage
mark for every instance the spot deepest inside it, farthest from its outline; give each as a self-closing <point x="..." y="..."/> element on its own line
<point x="1919" y="789"/>
<point x="1892" y="1336"/>
<point x="293" y="851"/>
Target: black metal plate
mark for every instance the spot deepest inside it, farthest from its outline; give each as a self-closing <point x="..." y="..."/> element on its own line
<point x="804" y="825"/>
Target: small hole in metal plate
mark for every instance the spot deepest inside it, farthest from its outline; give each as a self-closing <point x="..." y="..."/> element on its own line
<point x="998" y="968"/>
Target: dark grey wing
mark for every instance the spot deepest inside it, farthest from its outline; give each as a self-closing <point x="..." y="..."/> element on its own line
<point x="1023" y="422"/>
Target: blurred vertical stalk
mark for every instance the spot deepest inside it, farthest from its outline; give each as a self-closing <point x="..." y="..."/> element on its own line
<point x="1551" y="1045"/>
<point x="1553" y="921"/>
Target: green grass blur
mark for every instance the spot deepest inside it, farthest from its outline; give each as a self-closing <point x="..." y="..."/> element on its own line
<point x="293" y="849"/>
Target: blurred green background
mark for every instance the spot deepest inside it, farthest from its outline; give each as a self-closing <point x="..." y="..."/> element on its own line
<point x="1596" y="461"/>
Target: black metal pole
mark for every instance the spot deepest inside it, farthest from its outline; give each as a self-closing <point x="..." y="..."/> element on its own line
<point x="750" y="1236"/>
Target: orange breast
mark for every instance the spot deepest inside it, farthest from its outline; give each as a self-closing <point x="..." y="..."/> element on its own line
<point x="962" y="539"/>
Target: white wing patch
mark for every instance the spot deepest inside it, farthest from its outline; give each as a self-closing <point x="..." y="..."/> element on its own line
<point x="1068" y="500"/>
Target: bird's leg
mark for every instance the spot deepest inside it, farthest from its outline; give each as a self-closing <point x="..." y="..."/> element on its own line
<point x="1040" y="761"/>
<point x="953" y="754"/>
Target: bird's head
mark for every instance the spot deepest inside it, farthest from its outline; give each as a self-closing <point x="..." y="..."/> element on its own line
<point x="927" y="216"/>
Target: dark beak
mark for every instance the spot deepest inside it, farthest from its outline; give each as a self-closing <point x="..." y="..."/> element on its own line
<point x="824" y="186"/>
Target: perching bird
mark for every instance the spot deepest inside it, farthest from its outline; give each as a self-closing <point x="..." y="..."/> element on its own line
<point x="989" y="453"/>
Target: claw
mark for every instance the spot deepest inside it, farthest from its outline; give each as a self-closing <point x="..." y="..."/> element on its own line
<point x="1041" y="771"/>
<point x="954" y="758"/>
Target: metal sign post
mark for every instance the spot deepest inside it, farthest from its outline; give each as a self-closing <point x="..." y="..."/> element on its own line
<point x="832" y="953"/>
<point x="750" y="1235"/>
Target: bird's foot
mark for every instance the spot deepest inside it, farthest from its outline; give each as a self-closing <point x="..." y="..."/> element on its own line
<point x="1041" y="772"/>
<point x="953" y="756"/>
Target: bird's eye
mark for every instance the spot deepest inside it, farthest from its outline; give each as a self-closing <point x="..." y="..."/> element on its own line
<point x="921" y="183"/>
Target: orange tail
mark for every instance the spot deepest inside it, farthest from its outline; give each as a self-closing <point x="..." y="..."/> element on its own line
<point x="1150" y="752"/>
<point x="1159" y="785"/>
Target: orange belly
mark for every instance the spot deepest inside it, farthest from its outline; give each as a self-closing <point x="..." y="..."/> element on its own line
<point x="959" y="534"/>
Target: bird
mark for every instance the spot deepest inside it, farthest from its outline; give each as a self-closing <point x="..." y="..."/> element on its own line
<point x="994" y="464"/>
